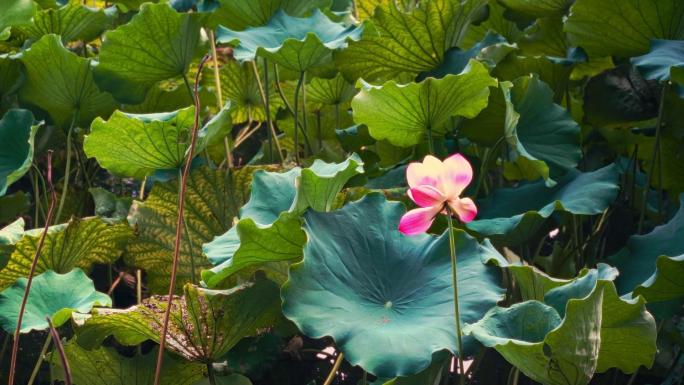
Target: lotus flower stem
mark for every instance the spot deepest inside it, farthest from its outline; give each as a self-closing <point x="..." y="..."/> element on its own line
<point x="32" y="271"/>
<point x="335" y="368"/>
<point x="266" y="100"/>
<point x="219" y="93"/>
<point x="287" y="104"/>
<point x="454" y="278"/>
<point x="654" y="156"/>
<point x="41" y="358"/>
<point x="179" y="224"/>
<point x="296" y="118"/>
<point x="60" y="349"/>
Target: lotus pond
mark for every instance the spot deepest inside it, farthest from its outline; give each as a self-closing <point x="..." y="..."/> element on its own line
<point x="349" y="192"/>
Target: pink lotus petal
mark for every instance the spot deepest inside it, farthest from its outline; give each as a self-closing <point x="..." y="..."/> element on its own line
<point x="417" y="221"/>
<point x="463" y="207"/>
<point x="426" y="196"/>
<point x="458" y="173"/>
<point x="427" y="172"/>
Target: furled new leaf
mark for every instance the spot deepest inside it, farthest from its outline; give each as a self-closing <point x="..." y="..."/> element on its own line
<point x="16" y="146"/>
<point x="405" y="114"/>
<point x="389" y="322"/>
<point x="52" y="295"/>
<point x="157" y="44"/>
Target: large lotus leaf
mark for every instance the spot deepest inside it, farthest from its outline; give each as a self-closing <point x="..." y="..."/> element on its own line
<point x="52" y="295"/>
<point x="108" y="205"/>
<point x="138" y="145"/>
<point x="157" y="44"/>
<point x="169" y="95"/>
<point x="9" y="236"/>
<point x="80" y="243"/>
<point x="295" y="43"/>
<point x="61" y="83"/>
<point x="105" y="366"/>
<point x="269" y="229"/>
<point x="403" y="114"/>
<point x="532" y="337"/>
<point x="496" y="21"/>
<point x="516" y="214"/>
<point x="408" y="42"/>
<point x="389" y="322"/>
<point x="73" y="21"/>
<point x="16" y="146"/>
<point x="545" y="140"/>
<point x="664" y="62"/>
<point x="211" y="202"/>
<point x="332" y="92"/>
<point x="623" y="27"/>
<point x="652" y="264"/>
<point x="241" y="14"/>
<point x="539" y="8"/>
<point x="204" y="324"/>
<point x="16" y="13"/>
<point x="626" y="324"/>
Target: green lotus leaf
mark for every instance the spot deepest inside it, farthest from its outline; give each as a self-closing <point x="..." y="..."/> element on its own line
<point x="516" y="214"/>
<point x="241" y="14"/>
<point x="432" y="375"/>
<point x="623" y="28"/>
<point x="403" y="114"/>
<point x="204" y="324"/>
<point x="269" y="229"/>
<point x="71" y="22"/>
<point x="652" y="265"/>
<point x="108" y="205"/>
<point x="496" y="21"/>
<point x="539" y="8"/>
<point x="231" y="379"/>
<point x="138" y="145"/>
<point x="17" y="133"/>
<point x="16" y="13"/>
<point x="52" y="295"/>
<point x="61" y="83"/>
<point x="335" y="91"/>
<point x="664" y="62"/>
<point x="212" y="200"/>
<point x="11" y="77"/>
<point x="239" y="85"/>
<point x="391" y="322"/>
<point x="548" y="350"/>
<point x="408" y="43"/>
<point x="80" y="243"/>
<point x="105" y="366"/>
<point x="157" y="44"/>
<point x="170" y="95"/>
<point x="295" y="43"/>
<point x="13" y="206"/>
<point x="9" y="236"/>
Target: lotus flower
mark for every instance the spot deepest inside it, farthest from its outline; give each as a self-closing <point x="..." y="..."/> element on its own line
<point x="435" y="186"/>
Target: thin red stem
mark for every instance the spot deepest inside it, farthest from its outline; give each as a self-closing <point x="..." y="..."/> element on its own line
<point x="179" y="224"/>
<point x="34" y="263"/>
<point x="60" y="349"/>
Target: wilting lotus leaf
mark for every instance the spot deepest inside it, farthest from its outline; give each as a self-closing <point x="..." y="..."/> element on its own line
<point x="105" y="366"/>
<point x="138" y="145"/>
<point x="623" y="28"/>
<point x="16" y="13"/>
<point x="61" y="83"/>
<point x="16" y="146"/>
<point x="211" y="202"/>
<point x="157" y="44"/>
<point x="52" y="295"/>
<point x="389" y="322"/>
<point x="269" y="229"/>
<point x="204" y="324"/>
<point x="73" y="21"/>
<point x="652" y="265"/>
<point x="408" y="42"/>
<point x="79" y="243"/>
<point x="403" y="114"/>
<point x="516" y="214"/>
<point x="664" y="62"/>
<point x="241" y="14"/>
<point x="295" y="43"/>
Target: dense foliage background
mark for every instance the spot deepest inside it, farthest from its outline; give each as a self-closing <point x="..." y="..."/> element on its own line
<point x="295" y="121"/>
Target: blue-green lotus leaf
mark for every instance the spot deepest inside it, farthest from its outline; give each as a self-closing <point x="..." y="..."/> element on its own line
<point x="295" y="43"/>
<point x="652" y="265"/>
<point x="386" y="298"/>
<point x="664" y="62"/>
<point x="269" y="229"/>
<point x="241" y="14"/>
<point x="52" y="295"/>
<point x="515" y="214"/>
<point x="16" y="146"/>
